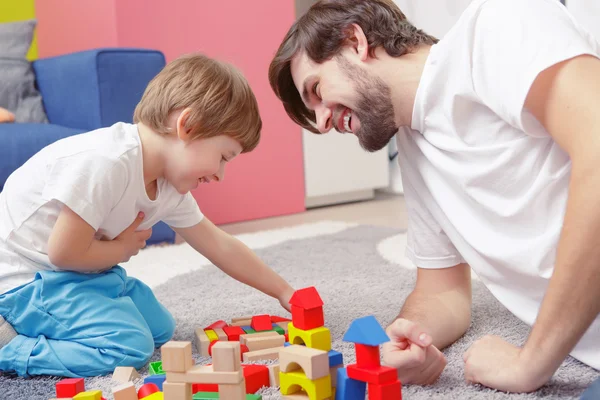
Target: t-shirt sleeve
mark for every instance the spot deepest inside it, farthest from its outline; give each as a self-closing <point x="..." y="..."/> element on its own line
<point x="513" y="42"/>
<point x="185" y="214"/>
<point x="427" y="245"/>
<point x="89" y="184"/>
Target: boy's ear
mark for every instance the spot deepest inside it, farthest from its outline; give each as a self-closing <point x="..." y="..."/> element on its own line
<point x="183" y="132"/>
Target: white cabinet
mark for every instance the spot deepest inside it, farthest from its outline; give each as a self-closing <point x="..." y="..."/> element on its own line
<point x="338" y="170"/>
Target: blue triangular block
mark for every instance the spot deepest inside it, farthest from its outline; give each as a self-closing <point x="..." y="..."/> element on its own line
<point x="367" y="331"/>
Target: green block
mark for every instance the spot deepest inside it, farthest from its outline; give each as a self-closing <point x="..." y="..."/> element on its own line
<point x="279" y="330"/>
<point x="253" y="397"/>
<point x="156" y="368"/>
<point x="205" y="395"/>
<point x="248" y="329"/>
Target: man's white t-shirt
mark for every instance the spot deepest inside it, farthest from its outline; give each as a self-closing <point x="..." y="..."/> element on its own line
<point x="100" y="176"/>
<point x="484" y="182"/>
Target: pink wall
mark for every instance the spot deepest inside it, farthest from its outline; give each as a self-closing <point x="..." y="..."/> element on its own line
<point x="270" y="180"/>
<point x="71" y="25"/>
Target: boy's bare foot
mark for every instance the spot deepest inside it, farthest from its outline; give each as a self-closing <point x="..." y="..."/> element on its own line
<point x="6" y="116"/>
<point x="7" y="332"/>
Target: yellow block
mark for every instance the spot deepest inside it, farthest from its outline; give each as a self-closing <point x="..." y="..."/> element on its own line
<point x="155" y="396"/>
<point x="19" y="10"/>
<point x="91" y="395"/>
<point x="212" y="335"/>
<point x="318" y="338"/>
<point x="318" y="389"/>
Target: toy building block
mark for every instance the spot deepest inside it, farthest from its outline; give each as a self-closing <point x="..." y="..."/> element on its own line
<point x="348" y="388"/>
<point x="233" y="332"/>
<point x="210" y="346"/>
<point x="155" y="368"/>
<point x="147" y="389"/>
<point x="125" y="391"/>
<point x="366" y="334"/>
<point x="333" y="373"/>
<point x="283" y="325"/>
<point x="226" y="357"/>
<point x="205" y="395"/>
<point x="274" y="375"/>
<point x="238" y="319"/>
<point x="158" y="380"/>
<point x="248" y="329"/>
<point x="335" y="358"/>
<point x="256" y="376"/>
<point x="219" y="324"/>
<point x="278" y="329"/>
<point x="233" y="392"/>
<point x="155" y="396"/>
<point x="212" y="336"/>
<point x="313" y="362"/>
<point x="241" y="322"/>
<point x="125" y="374"/>
<point x="91" y="395"/>
<point x="69" y="387"/>
<point x="222" y="336"/>
<point x="318" y="338"/>
<point x="205" y="387"/>
<point x="177" y="391"/>
<point x="307" y="309"/>
<point x="261" y="323"/>
<point x="245" y="336"/>
<point x="264" y="342"/>
<point x="202" y="342"/>
<point x="205" y="374"/>
<point x="316" y="389"/>
<point x="176" y="356"/>
<point x="388" y="391"/>
<point x="378" y="375"/>
<point x="264" y="354"/>
<point x="243" y="350"/>
<point x="275" y="318"/>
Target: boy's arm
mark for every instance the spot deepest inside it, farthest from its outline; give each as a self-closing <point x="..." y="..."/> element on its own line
<point x="236" y="260"/>
<point x="72" y="245"/>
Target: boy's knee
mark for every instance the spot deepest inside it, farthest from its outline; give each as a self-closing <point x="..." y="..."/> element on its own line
<point x="136" y="348"/>
<point x="166" y="332"/>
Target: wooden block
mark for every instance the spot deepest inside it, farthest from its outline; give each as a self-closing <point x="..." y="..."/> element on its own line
<point x="125" y="374"/>
<point x="242" y="322"/>
<point x="333" y="372"/>
<point x="313" y="362"/>
<point x="265" y="354"/>
<point x="264" y="342"/>
<point x="241" y="319"/>
<point x="296" y="396"/>
<point x="177" y="391"/>
<point x="205" y="374"/>
<point x="221" y="334"/>
<point x="176" y="356"/>
<point x="233" y="392"/>
<point x="91" y="395"/>
<point x="125" y="391"/>
<point x="202" y="342"/>
<point x="212" y="336"/>
<point x="226" y="356"/>
<point x="255" y="335"/>
<point x="274" y="375"/>
<point x="283" y="325"/>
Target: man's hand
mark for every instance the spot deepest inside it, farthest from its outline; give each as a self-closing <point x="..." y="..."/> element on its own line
<point x="494" y="363"/>
<point x="133" y="241"/>
<point x="284" y="298"/>
<point x="411" y="352"/>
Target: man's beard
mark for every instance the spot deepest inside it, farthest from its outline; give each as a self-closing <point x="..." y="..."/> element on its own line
<point x="374" y="108"/>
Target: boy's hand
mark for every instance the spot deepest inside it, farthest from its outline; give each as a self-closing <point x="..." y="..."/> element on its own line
<point x="133" y="241"/>
<point x="284" y="299"/>
<point x="411" y="352"/>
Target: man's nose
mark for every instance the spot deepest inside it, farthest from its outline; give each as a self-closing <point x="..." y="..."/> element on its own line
<point x="324" y="122"/>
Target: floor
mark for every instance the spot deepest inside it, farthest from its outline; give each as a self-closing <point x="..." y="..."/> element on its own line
<point x="385" y="209"/>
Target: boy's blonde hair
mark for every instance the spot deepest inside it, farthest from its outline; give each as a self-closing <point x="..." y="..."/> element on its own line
<point x="219" y="96"/>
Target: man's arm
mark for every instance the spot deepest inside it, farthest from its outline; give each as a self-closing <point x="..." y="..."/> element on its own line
<point x="441" y="303"/>
<point x="566" y="101"/>
<point x="236" y="259"/>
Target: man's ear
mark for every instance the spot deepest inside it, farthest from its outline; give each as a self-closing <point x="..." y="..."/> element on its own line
<point x="359" y="43"/>
<point x="184" y="132"/>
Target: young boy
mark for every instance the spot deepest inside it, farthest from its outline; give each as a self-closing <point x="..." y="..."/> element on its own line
<point x="86" y="203"/>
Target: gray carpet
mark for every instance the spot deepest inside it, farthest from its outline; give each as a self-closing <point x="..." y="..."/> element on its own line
<point x="354" y="281"/>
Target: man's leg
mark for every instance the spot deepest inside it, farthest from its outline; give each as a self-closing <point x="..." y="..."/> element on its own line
<point x="158" y="318"/>
<point x="593" y="392"/>
<point x="75" y="325"/>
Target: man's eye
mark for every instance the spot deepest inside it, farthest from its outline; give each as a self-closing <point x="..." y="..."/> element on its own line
<point x="315" y="89"/>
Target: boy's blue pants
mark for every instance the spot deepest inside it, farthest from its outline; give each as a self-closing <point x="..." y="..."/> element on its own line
<point x="593" y="392"/>
<point x="77" y="325"/>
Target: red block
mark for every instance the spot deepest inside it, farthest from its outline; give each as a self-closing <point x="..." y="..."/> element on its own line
<point x="256" y="377"/>
<point x="233" y="333"/>
<point x="275" y="318"/>
<point x="70" y="387"/>
<point x="219" y="324"/>
<point x="243" y="349"/>
<point x="204" y="387"/>
<point x="379" y="375"/>
<point x="367" y="356"/>
<point x="307" y="319"/>
<point x="210" y="346"/>
<point x="147" y="389"/>
<point x="287" y="337"/>
<point x="261" y="323"/>
<point x="388" y="391"/>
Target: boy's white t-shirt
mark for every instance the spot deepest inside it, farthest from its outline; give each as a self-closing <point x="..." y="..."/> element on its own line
<point x="99" y="175"/>
<point x="484" y="182"/>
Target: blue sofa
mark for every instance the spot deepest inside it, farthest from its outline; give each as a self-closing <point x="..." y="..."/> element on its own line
<point x="83" y="91"/>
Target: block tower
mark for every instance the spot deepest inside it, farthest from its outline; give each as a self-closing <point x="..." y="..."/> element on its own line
<point x="308" y="366"/>
<point x="383" y="384"/>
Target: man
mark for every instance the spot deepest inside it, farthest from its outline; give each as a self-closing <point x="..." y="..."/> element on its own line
<point x="498" y="131"/>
